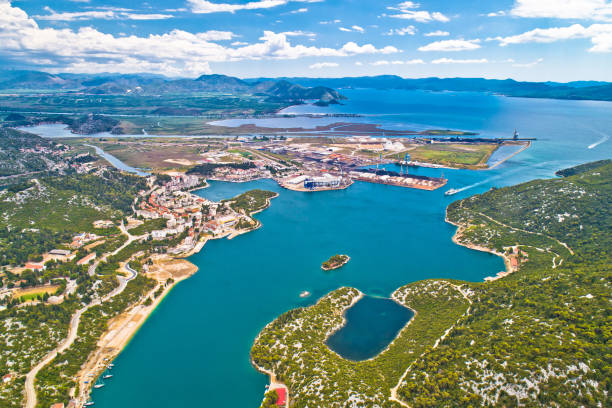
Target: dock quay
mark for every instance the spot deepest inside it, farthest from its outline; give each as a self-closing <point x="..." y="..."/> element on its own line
<point x="397" y="179"/>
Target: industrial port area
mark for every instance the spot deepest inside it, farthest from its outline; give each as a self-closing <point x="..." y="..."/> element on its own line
<point x="310" y="164"/>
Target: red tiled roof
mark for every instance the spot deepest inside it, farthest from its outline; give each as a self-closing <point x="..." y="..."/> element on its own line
<point x="282" y="396"/>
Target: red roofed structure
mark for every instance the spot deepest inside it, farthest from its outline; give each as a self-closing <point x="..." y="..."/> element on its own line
<point x="282" y="397"/>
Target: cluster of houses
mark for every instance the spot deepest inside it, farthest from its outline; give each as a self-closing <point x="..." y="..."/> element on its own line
<point x="185" y="212"/>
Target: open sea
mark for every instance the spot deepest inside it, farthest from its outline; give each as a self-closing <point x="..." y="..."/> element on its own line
<point x="194" y="349"/>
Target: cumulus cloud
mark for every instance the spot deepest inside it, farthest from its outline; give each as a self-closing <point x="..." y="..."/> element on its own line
<point x="437" y="33"/>
<point x="451" y="45"/>
<point x="206" y="7"/>
<point x="405" y="11"/>
<point x="320" y="65"/>
<point x="410" y="30"/>
<point x="459" y="61"/>
<point x="358" y="28"/>
<point x="177" y="53"/>
<point x="600" y="10"/>
<point x="599" y="34"/>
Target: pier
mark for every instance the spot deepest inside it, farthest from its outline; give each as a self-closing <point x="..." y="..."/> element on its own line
<point x="394" y="178"/>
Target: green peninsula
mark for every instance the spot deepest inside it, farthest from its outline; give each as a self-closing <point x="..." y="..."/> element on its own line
<point x="538" y="337"/>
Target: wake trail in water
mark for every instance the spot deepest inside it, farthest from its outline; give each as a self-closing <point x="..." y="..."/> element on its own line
<point x="505" y="174"/>
<point x="604" y="139"/>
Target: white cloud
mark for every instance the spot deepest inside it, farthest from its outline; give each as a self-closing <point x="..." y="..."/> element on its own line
<point x="421" y="16"/>
<point x="300" y="10"/>
<point x="528" y="64"/>
<point x="205" y="7"/>
<point x="237" y="43"/>
<point x="451" y="45"/>
<point x="299" y="33"/>
<point x="177" y="53"/>
<point x="359" y="63"/>
<point x="437" y="33"/>
<point x="459" y="61"/>
<point x="397" y="62"/>
<point x="599" y="34"/>
<point x="410" y="30"/>
<point x="354" y="28"/>
<point x="406" y="12"/>
<point x="320" y="65"/>
<point x="497" y="13"/>
<point x="600" y="10"/>
<point x="101" y="14"/>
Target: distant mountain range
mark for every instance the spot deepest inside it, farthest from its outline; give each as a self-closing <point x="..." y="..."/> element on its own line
<point x="291" y="89"/>
<point x="587" y="90"/>
<point x="137" y="84"/>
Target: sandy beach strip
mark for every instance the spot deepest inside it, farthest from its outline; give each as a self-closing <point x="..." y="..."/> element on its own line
<point x="122" y="328"/>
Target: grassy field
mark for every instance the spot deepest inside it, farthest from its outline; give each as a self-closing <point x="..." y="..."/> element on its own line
<point x="454" y="155"/>
<point x="33" y="293"/>
<point x="159" y="154"/>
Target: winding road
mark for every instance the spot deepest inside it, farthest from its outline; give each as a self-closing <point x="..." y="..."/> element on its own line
<point x="30" y="389"/>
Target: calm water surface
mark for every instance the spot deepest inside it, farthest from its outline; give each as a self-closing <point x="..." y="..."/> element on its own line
<point x="371" y="324"/>
<point x="194" y="349"/>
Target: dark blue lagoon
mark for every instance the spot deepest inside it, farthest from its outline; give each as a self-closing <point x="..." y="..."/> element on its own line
<point x="371" y="325"/>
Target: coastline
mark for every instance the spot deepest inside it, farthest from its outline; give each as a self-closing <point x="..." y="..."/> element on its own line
<point x="121" y="330"/>
<point x="326" y="269"/>
<point x="458" y="233"/>
<point x="309" y="190"/>
<point x="274" y="383"/>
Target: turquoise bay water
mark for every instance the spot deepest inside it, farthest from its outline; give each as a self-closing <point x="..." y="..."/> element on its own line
<point x="371" y="324"/>
<point x="194" y="349"/>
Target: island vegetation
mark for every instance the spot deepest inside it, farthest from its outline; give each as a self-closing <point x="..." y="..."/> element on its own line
<point x="335" y="262"/>
<point x="538" y="337"/>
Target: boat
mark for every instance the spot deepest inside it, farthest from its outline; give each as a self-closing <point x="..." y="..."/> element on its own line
<point x="100" y="385"/>
<point x="451" y="192"/>
<point x="107" y="376"/>
<point x="88" y="404"/>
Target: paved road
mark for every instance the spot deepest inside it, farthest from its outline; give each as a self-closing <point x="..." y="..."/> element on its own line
<point x="30" y="389"/>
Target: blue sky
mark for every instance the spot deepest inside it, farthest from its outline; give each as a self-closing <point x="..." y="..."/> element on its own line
<point x="536" y="40"/>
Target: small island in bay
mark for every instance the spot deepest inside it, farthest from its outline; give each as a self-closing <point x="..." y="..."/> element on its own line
<point x="335" y="262"/>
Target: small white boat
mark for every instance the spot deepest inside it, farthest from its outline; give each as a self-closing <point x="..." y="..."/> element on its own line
<point x="99" y="385"/>
<point x="88" y="404"/>
<point x="451" y="192"/>
<point x="107" y="376"/>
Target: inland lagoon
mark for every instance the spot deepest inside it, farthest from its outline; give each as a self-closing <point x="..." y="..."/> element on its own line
<point x="371" y="325"/>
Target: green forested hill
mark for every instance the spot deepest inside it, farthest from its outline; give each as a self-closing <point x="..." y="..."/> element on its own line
<point x="539" y="337"/>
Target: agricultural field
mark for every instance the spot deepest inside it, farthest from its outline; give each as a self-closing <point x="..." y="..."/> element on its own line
<point x="454" y="155"/>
